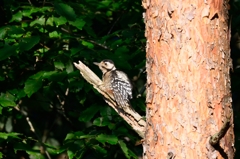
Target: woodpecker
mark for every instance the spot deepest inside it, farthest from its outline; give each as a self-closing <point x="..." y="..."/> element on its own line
<point x="115" y="82"/>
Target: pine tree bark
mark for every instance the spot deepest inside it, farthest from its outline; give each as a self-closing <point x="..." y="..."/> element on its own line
<point x="188" y="81"/>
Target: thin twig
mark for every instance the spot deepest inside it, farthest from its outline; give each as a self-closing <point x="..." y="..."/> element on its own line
<point x="98" y="44"/>
<point x="81" y="38"/>
<point x="113" y="25"/>
<point x="30" y="2"/>
<point x="62" y="102"/>
<point x="43" y="4"/>
<point x="44" y="46"/>
<point x="30" y="124"/>
<point x="32" y="129"/>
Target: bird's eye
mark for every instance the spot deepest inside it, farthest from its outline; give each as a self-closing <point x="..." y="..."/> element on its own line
<point x="105" y="63"/>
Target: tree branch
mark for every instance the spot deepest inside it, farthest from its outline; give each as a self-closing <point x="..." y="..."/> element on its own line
<point x="127" y="113"/>
<point x="215" y="139"/>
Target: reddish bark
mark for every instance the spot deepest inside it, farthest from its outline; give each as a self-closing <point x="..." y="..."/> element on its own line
<point x="188" y="84"/>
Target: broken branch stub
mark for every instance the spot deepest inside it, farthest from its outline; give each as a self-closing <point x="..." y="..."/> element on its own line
<point x="128" y="114"/>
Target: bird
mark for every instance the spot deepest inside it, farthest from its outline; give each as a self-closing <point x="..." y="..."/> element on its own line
<point x="116" y="82"/>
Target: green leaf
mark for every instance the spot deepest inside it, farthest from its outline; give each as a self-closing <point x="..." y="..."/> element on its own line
<point x="90" y="30"/>
<point x="76" y="149"/>
<point x="78" y="23"/>
<point x="3" y="135"/>
<point x="22" y="146"/>
<point x="121" y="50"/>
<point x="34" y="155"/>
<point x="111" y="139"/>
<point x="74" y="50"/>
<point x="106" y="112"/>
<point x="132" y="154"/>
<point x="116" y="6"/>
<point x="49" y="74"/>
<point x="3" y="32"/>
<point x="28" y="43"/>
<point x="40" y="21"/>
<point x="6" y="103"/>
<point x="15" y="30"/>
<point x="60" y="20"/>
<point x="7" y="135"/>
<point x="17" y="93"/>
<point x="54" y="149"/>
<point x="70" y="154"/>
<point x="124" y="148"/>
<point x="59" y="65"/>
<point x="9" y="125"/>
<point x="7" y="51"/>
<point x="116" y="43"/>
<point x="127" y="152"/>
<point x="69" y="67"/>
<point x="104" y="4"/>
<point x="2" y="78"/>
<point x="99" y="149"/>
<point x="77" y="86"/>
<point x="85" y="136"/>
<point x="32" y="86"/>
<point x="54" y="75"/>
<point x="101" y="121"/>
<point x="50" y="21"/>
<point x="37" y="75"/>
<point x="29" y="11"/>
<point x="120" y="131"/>
<point x="54" y="34"/>
<point x="7" y="100"/>
<point x="29" y="150"/>
<point x="89" y="113"/>
<point x="65" y="11"/>
<point x="109" y="13"/>
<point x="17" y="17"/>
<point x="87" y="44"/>
<point x="77" y="135"/>
<point x="70" y="136"/>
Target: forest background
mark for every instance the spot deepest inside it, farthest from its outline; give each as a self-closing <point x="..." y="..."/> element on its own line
<point x="47" y="110"/>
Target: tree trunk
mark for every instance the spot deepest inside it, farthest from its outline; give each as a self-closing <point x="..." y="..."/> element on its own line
<point x="188" y="84"/>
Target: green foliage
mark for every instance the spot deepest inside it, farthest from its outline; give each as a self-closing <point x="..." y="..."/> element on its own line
<point x="45" y="104"/>
<point x="46" y="107"/>
<point x="65" y="10"/>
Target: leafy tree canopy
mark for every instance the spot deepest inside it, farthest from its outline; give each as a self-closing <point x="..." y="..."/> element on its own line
<point x="47" y="109"/>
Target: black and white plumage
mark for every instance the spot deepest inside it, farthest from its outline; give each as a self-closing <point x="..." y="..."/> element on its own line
<point x="116" y="82"/>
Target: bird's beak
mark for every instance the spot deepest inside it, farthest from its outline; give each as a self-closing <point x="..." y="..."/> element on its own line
<point x="96" y="63"/>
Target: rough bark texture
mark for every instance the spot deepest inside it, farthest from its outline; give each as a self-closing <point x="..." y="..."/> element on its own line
<point x="188" y="84"/>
